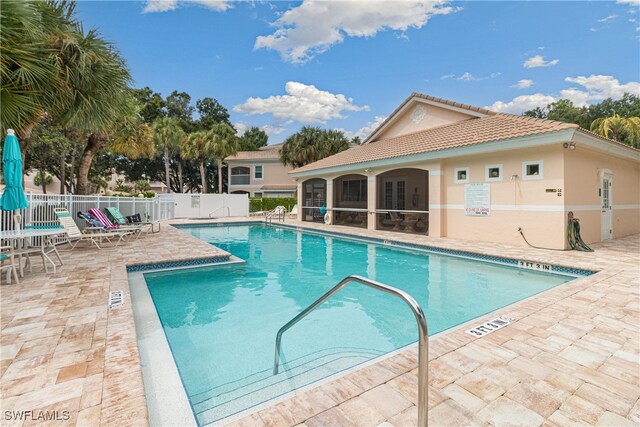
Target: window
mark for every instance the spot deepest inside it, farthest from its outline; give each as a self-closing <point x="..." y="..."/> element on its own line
<point x="493" y="173"/>
<point x="533" y="170"/>
<point x="257" y="172"/>
<point x="461" y="175"/>
<point x="239" y="175"/>
<point x="354" y="190"/>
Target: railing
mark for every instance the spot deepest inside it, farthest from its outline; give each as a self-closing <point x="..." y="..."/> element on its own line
<point x="279" y="212"/>
<point x="240" y="179"/>
<point x="40" y="210"/>
<point x="423" y="334"/>
<point x="221" y="208"/>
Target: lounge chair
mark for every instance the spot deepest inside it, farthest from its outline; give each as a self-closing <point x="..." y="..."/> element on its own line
<point x="93" y="234"/>
<point x="7" y="262"/>
<point x="106" y="223"/>
<point x="116" y="217"/>
<point x="294" y="212"/>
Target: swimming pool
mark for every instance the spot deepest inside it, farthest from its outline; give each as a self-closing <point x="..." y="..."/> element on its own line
<point x="220" y="322"/>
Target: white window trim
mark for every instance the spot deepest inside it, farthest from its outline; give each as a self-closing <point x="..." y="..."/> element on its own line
<point x="493" y="179"/>
<point x="253" y="175"/>
<point x="455" y="175"/>
<point x="532" y="177"/>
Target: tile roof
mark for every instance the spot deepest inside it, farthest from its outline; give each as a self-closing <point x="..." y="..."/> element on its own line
<point x="271" y="154"/>
<point x="495" y="127"/>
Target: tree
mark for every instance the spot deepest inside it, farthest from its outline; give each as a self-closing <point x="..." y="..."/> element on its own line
<point x="609" y="116"/>
<point x="42" y="179"/>
<point x="211" y="113"/>
<point x="132" y="137"/>
<point x="28" y="74"/>
<point x="224" y="143"/>
<point x="311" y="144"/>
<point x="153" y="106"/>
<point x="618" y="128"/>
<point x="168" y="137"/>
<point x="198" y="148"/>
<point x="252" y="139"/>
<point x="179" y="107"/>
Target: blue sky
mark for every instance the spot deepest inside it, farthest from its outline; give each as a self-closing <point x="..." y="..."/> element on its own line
<point x="347" y="65"/>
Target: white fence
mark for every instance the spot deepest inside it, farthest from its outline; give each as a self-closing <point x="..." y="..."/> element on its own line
<point x="41" y="206"/>
<point x="210" y="205"/>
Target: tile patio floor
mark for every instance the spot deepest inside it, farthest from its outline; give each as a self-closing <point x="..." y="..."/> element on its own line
<point x="571" y="358"/>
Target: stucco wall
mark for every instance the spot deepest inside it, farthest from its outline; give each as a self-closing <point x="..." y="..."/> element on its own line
<point x="583" y="177"/>
<point x="435" y="116"/>
<point x="515" y="203"/>
<point x="274" y="173"/>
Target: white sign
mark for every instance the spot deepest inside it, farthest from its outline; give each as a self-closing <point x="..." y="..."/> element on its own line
<point x="487" y="328"/>
<point x="477" y="199"/>
<point x="534" y="266"/>
<point x="116" y="299"/>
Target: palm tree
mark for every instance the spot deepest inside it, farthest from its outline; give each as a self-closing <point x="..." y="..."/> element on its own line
<point x="167" y="137"/>
<point x="224" y="143"/>
<point x="31" y="79"/>
<point x="311" y="144"/>
<point x="622" y="129"/>
<point x="198" y="148"/>
<point x="132" y="137"/>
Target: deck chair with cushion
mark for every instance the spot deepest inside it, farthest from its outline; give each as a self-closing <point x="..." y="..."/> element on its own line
<point x="106" y="223"/>
<point x="94" y="235"/>
<point x="116" y="217"/>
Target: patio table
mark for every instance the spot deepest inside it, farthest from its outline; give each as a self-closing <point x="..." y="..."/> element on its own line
<point x="20" y="239"/>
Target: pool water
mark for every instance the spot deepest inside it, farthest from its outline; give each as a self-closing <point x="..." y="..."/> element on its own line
<point x="221" y="321"/>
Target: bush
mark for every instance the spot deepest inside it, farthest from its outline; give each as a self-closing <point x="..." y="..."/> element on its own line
<point x="268" y="203"/>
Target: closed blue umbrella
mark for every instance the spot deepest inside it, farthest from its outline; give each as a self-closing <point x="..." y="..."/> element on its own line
<point x="13" y="197"/>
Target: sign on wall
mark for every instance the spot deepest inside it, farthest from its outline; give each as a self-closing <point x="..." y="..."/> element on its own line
<point x="477" y="199"/>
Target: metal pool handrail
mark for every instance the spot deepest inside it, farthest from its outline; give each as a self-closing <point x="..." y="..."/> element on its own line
<point x="423" y="334"/>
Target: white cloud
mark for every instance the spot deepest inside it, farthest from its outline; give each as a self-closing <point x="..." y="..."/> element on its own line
<point x="168" y="5"/>
<point x="523" y="84"/>
<point x="468" y="77"/>
<point x="303" y="103"/>
<point x="608" y="18"/>
<point x="595" y="88"/>
<point x="366" y="130"/>
<point x="311" y="28"/>
<point x="242" y="127"/>
<point x="522" y="103"/>
<point x="598" y="87"/>
<point x="629" y="2"/>
<point x="538" y="61"/>
<point x="273" y="130"/>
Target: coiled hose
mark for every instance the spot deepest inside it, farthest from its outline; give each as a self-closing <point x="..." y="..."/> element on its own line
<point x="573" y="235"/>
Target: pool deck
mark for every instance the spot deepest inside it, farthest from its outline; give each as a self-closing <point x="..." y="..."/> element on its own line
<point x="572" y="357"/>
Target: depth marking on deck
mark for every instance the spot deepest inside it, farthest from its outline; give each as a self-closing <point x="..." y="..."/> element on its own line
<point x="488" y="327"/>
<point x="538" y="266"/>
<point x="116" y="299"/>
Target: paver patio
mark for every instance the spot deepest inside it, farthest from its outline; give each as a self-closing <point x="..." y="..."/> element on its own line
<point x="572" y="357"/>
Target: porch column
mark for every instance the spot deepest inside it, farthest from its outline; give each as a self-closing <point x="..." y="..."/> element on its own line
<point x="301" y="212"/>
<point x="437" y="201"/>
<point x="329" y="196"/>
<point x="372" y="200"/>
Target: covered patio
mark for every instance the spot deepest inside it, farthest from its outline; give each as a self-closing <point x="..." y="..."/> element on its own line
<point x="402" y="201"/>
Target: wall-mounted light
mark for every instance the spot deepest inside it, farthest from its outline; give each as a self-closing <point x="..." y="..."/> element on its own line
<point x="569" y="145"/>
<point x="512" y="177"/>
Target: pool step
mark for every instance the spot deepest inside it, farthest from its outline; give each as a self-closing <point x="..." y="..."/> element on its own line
<point x="237" y="396"/>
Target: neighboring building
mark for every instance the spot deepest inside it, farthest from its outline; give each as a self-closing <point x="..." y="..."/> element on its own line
<point x="260" y="173"/>
<point x="446" y="169"/>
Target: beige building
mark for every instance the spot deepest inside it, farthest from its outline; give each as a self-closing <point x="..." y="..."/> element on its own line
<point x="445" y="169"/>
<point x="260" y="173"/>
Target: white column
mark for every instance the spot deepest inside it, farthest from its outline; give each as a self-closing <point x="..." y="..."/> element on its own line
<point x="329" y="201"/>
<point x="301" y="211"/>
<point x="372" y="200"/>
